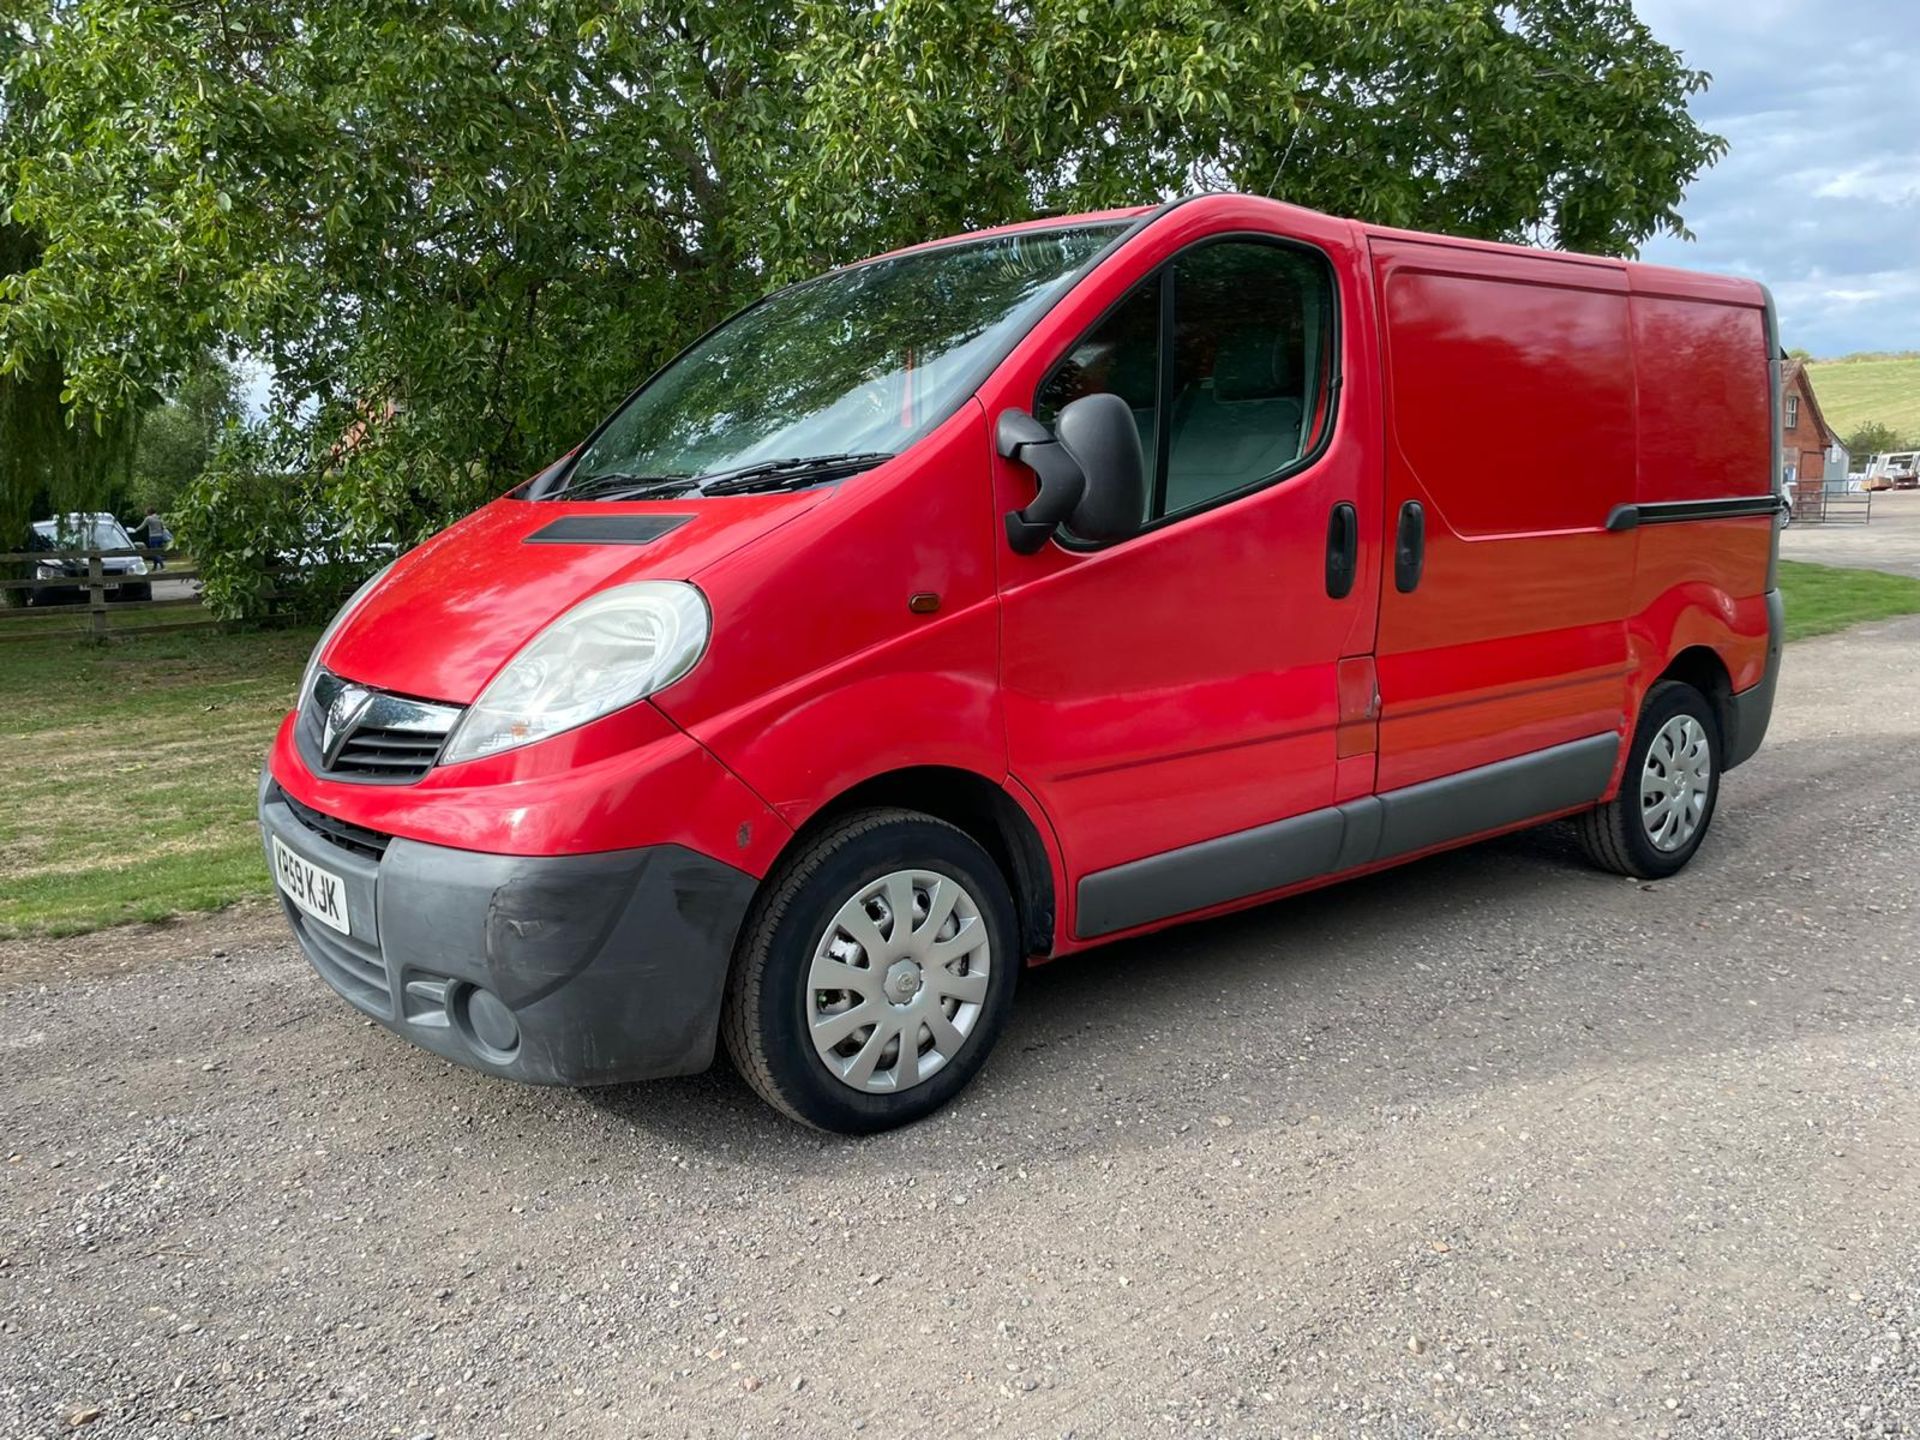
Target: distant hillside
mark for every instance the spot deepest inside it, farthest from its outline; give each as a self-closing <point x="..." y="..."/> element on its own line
<point x="1857" y="389"/>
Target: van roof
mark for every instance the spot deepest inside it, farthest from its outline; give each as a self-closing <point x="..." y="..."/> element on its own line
<point x="1642" y="278"/>
<point x="1042" y="222"/>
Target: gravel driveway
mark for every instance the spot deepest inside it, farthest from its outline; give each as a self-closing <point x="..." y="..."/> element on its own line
<point x="1889" y="541"/>
<point x="1494" y="1144"/>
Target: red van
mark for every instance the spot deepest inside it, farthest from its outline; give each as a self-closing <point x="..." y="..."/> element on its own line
<point x="993" y="599"/>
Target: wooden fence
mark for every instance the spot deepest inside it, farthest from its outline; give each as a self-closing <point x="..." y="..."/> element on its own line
<point x="103" y="611"/>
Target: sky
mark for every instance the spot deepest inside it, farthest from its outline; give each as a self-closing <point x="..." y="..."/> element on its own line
<point x="1819" y="193"/>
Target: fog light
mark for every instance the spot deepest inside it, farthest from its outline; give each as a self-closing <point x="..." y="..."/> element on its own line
<point x="488" y="1025"/>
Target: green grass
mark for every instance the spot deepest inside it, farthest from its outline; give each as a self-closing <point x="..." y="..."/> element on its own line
<point x="129" y="768"/>
<point x="129" y="772"/>
<point x="1823" y="598"/>
<point x="61" y="621"/>
<point x="1855" y="391"/>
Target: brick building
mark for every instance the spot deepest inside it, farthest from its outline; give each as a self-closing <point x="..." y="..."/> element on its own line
<point x="1805" y="437"/>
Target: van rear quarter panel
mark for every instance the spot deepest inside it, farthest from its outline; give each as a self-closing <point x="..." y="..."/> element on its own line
<point x="1704" y="404"/>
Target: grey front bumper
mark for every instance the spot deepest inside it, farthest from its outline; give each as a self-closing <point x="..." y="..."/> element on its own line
<point x="565" y="970"/>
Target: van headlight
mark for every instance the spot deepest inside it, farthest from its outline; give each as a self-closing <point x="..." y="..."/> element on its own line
<point x="605" y="653"/>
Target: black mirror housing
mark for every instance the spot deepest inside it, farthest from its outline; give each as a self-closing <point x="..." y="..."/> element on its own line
<point x="1025" y="441"/>
<point x="1093" y="475"/>
<point x="1098" y="431"/>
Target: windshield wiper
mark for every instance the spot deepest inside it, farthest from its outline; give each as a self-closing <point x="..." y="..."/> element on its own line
<point x="798" y="470"/>
<point x="618" y="485"/>
<point x="766" y="475"/>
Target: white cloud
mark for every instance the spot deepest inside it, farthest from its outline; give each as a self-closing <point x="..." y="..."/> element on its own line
<point x="1818" y="191"/>
<point x="1886" y="287"/>
<point x="1882" y="181"/>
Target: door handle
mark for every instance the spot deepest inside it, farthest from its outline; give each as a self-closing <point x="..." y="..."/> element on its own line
<point x="1410" y="548"/>
<point x="1343" y="549"/>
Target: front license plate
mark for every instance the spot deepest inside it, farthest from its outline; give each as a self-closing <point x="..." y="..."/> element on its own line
<point x="320" y="893"/>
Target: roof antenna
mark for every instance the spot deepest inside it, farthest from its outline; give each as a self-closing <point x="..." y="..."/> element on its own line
<point x="1285" y="156"/>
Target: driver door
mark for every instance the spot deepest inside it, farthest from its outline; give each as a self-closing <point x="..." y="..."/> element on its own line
<point x="1171" y="696"/>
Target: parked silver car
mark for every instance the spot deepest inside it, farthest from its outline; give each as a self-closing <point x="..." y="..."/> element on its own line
<point x="77" y="530"/>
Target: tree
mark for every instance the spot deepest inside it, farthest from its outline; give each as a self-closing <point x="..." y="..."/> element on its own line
<point x="52" y="457"/>
<point x="1873" y="438"/>
<point x="458" y="233"/>
<point x="177" y="440"/>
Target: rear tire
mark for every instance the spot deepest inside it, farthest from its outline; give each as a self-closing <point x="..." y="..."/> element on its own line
<point x="1652" y="828"/>
<point x="842" y="1017"/>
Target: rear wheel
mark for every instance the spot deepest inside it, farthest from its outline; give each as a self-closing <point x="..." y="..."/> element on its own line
<point x="874" y="973"/>
<point x="1653" y="826"/>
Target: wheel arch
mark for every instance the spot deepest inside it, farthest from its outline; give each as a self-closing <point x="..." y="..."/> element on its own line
<point x="982" y="809"/>
<point x="1702" y="667"/>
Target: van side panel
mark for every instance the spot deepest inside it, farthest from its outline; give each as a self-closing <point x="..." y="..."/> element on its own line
<point x="1510" y="396"/>
<point x="1704" y="399"/>
<point x="1702" y="392"/>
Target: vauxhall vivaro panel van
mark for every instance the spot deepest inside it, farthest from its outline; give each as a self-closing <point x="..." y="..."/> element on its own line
<point x="985" y="601"/>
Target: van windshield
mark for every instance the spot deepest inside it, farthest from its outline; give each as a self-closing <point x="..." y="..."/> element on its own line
<point x="836" y="374"/>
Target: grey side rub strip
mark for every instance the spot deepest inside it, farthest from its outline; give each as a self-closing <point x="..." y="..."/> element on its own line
<point x="1346" y="836"/>
<point x="1673" y="512"/>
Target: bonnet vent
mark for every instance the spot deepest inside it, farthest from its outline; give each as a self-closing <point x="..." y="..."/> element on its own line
<point x="606" y="529"/>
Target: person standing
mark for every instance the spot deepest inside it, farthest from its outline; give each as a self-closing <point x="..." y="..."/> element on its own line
<point x="157" y="536"/>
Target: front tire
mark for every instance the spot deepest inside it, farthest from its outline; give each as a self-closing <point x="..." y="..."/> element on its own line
<point x="1652" y="828"/>
<point x="873" y="974"/>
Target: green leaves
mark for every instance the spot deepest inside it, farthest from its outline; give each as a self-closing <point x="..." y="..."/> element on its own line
<point x="1872" y="438"/>
<point x="460" y="233"/>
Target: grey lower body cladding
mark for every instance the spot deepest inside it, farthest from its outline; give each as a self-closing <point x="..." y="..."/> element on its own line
<point x="1750" y="712"/>
<point x="560" y="970"/>
<point x="1346" y="836"/>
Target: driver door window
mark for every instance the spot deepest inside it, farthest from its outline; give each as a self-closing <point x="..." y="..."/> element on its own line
<point x="1119" y="356"/>
<point x="1233" y="392"/>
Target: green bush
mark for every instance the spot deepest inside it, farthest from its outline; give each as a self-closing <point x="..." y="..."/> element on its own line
<point x="272" y="534"/>
<point x="241" y="519"/>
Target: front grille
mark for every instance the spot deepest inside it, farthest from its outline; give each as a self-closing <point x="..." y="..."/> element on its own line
<point x="389" y="754"/>
<point x="355" y="839"/>
<point x="352" y="732"/>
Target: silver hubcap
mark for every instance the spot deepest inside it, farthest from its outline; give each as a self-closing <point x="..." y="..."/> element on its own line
<point x="1675" y="783"/>
<point x="897" y="981"/>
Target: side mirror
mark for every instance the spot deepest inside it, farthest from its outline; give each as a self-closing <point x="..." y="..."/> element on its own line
<point x="1091" y="470"/>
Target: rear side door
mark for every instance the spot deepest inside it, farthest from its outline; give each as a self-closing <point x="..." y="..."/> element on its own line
<point x="1171" y="696"/>
<point x="1510" y="439"/>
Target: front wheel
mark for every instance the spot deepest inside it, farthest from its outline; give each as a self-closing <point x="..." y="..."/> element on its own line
<point x="1653" y="826"/>
<point x="874" y="973"/>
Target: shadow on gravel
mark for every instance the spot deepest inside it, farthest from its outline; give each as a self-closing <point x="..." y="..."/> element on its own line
<point x="1512" y="961"/>
<point x="1090" y="1012"/>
